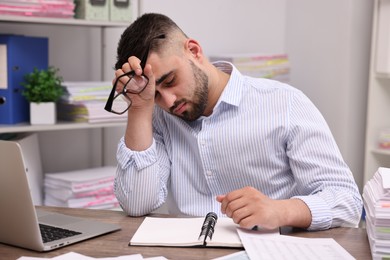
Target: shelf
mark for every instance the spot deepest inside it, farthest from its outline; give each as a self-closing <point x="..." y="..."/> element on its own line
<point x="378" y="102"/>
<point x="91" y="144"/>
<point x="60" y="21"/>
<point x="22" y="128"/>
<point x="385" y="76"/>
<point x="381" y="151"/>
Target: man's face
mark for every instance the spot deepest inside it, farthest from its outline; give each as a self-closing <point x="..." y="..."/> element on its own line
<point x="181" y="87"/>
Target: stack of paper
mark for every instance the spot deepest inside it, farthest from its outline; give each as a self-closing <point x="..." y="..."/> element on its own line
<point x="78" y="256"/>
<point x="376" y="197"/>
<point x="38" y="8"/>
<point x="85" y="101"/>
<point x="274" y="66"/>
<point x="90" y="188"/>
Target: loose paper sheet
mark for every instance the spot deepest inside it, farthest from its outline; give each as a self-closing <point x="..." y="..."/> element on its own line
<point x="288" y="247"/>
<point x="77" y="256"/>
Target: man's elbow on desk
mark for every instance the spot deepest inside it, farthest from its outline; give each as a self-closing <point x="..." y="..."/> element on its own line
<point x="134" y="206"/>
<point x="133" y="211"/>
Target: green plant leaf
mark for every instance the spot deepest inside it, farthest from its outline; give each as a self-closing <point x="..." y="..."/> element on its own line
<point x="43" y="85"/>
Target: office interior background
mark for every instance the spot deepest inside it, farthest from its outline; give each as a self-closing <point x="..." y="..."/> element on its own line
<point x="328" y="44"/>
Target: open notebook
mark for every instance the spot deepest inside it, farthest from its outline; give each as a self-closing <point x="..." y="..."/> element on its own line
<point x="21" y="224"/>
<point x="189" y="232"/>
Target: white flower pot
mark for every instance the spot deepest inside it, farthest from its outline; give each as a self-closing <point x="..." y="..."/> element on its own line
<point x="43" y="113"/>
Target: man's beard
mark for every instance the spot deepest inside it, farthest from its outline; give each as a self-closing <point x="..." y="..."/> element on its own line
<point x="200" y="97"/>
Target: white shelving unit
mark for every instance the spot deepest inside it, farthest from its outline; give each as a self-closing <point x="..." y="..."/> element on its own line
<point x="83" y="51"/>
<point x="379" y="90"/>
<point x="27" y="128"/>
<point x="59" y="21"/>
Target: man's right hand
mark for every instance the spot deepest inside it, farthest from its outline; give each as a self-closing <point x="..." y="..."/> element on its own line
<point x="145" y="98"/>
<point x="139" y="135"/>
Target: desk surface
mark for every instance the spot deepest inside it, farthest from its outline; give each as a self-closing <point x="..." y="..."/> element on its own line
<point x="354" y="240"/>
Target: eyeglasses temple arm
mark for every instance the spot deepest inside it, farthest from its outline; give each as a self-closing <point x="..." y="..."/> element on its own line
<point x="145" y="57"/>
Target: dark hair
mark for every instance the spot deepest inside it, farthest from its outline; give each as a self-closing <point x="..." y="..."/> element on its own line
<point x="136" y="38"/>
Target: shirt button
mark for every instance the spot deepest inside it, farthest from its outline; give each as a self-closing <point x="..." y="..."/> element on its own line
<point x="202" y="143"/>
<point x="209" y="173"/>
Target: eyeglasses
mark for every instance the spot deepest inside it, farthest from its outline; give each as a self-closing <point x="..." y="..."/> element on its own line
<point x="118" y="102"/>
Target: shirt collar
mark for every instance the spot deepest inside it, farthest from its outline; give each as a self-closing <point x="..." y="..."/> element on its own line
<point x="232" y="93"/>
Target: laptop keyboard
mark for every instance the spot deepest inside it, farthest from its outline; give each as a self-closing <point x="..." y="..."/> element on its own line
<point x="50" y="233"/>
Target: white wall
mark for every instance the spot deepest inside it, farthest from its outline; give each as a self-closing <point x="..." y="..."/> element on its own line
<point x="228" y="26"/>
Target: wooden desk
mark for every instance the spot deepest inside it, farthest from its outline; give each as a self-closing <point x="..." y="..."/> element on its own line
<point x="116" y="244"/>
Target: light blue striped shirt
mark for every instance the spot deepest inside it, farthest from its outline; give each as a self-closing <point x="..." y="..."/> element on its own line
<point x="262" y="133"/>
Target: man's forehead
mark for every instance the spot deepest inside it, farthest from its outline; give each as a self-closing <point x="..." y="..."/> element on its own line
<point x="163" y="66"/>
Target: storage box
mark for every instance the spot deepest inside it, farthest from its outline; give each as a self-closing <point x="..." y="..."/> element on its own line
<point x="97" y="10"/>
<point x="120" y="10"/>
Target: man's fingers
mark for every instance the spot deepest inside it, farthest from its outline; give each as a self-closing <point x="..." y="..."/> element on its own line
<point x="134" y="64"/>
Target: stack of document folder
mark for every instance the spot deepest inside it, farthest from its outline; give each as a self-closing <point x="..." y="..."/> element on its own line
<point x="89" y="188"/>
<point x="376" y="197"/>
<point x="85" y="101"/>
<point x="272" y="66"/>
<point x="38" y="8"/>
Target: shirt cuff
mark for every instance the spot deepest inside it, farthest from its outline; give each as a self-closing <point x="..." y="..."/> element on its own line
<point x="140" y="159"/>
<point x="320" y="212"/>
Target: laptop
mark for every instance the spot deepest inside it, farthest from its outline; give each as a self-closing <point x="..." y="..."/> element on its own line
<point x="21" y="224"/>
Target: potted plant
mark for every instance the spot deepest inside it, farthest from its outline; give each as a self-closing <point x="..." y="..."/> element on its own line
<point x="42" y="88"/>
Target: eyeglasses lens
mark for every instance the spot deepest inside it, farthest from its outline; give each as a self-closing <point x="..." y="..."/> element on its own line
<point x="120" y="104"/>
<point x="136" y="84"/>
<point x="121" y="101"/>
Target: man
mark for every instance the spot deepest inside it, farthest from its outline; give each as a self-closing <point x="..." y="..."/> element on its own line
<point x="256" y="150"/>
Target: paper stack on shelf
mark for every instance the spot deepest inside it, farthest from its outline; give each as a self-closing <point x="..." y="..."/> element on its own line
<point x="89" y="188"/>
<point x="376" y="197"/>
<point x="85" y="101"/>
<point x="274" y="66"/>
<point x="38" y="8"/>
